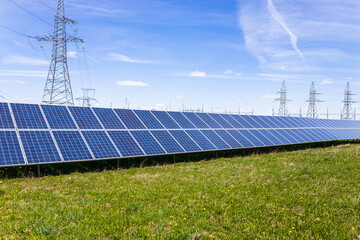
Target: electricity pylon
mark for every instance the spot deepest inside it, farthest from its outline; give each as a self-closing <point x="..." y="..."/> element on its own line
<point x="58" y="87"/>
<point x="283" y="110"/>
<point x="312" y="109"/>
<point x="347" y="113"/>
<point x="86" y="99"/>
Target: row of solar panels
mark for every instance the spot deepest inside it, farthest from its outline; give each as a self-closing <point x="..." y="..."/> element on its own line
<point x="36" y="134"/>
<point x="31" y="116"/>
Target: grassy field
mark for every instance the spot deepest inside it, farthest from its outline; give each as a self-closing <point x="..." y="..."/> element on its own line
<point x="308" y="194"/>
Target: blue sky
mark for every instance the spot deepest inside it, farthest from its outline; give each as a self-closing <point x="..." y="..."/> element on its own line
<point x="221" y="54"/>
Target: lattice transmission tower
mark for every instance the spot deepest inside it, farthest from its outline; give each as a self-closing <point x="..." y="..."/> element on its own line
<point x="58" y="86"/>
<point x="283" y="110"/>
<point x="348" y="113"/>
<point x="86" y="98"/>
<point x="312" y="109"/>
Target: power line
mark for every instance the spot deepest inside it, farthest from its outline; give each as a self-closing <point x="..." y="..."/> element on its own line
<point x="14" y="31"/>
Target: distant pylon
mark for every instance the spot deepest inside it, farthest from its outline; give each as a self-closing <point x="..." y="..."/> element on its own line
<point x="58" y="87"/>
<point x="312" y="109"/>
<point x="347" y="113"/>
<point x="86" y="98"/>
<point x="283" y="110"/>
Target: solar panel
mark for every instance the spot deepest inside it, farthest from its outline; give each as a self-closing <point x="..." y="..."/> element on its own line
<point x="201" y="140"/>
<point x="231" y="121"/>
<point x="148" y="119"/>
<point x="181" y="120"/>
<point x="262" y="136"/>
<point x="166" y="120"/>
<point x="58" y="117"/>
<point x="100" y="144"/>
<point x="129" y="118"/>
<point x="215" y="139"/>
<point x="10" y="151"/>
<point x="147" y="142"/>
<point x="85" y="118"/>
<point x="6" y="121"/>
<point x="125" y="143"/>
<point x="108" y="118"/>
<point x="279" y="136"/>
<point x="194" y="119"/>
<point x="72" y="146"/>
<point x="28" y="116"/>
<point x="167" y="141"/>
<point x="260" y="121"/>
<point x="230" y="140"/>
<point x="185" y="141"/>
<point x="39" y="147"/>
<point x="251" y="138"/>
<point x="220" y="120"/>
<point x="208" y="120"/>
<point x="242" y="121"/>
<point x="273" y="139"/>
<point x="252" y="121"/>
<point x="241" y="138"/>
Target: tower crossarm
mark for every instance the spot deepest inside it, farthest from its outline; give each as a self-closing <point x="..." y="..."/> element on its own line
<point x="51" y="38"/>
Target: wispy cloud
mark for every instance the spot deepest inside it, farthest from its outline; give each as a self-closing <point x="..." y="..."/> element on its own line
<point x="326" y="81"/>
<point x="21" y="60"/>
<point x="270" y="96"/>
<point x="181" y="98"/>
<point x="123" y="58"/>
<point x="132" y="83"/>
<point x="22" y="73"/>
<point x="95" y="9"/>
<point x="197" y="74"/>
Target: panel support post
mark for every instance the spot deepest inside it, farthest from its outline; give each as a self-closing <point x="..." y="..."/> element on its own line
<point x="217" y="154"/>
<point x="118" y="163"/>
<point x="174" y="158"/>
<point x="38" y="171"/>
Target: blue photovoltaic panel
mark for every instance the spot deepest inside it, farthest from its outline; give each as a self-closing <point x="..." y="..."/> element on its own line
<point x="148" y="119"/>
<point x="291" y="123"/>
<point x="279" y="136"/>
<point x="181" y="120"/>
<point x="232" y="121"/>
<point x="129" y="118"/>
<point x="302" y="135"/>
<point x="167" y="141"/>
<point x="201" y="140"/>
<point x="108" y="118"/>
<point x="265" y="122"/>
<point x="185" y="141"/>
<point x="58" y="117"/>
<point x="274" y="122"/>
<point x="125" y="143"/>
<point x="166" y="120"/>
<point x="72" y="146"/>
<point x="260" y="121"/>
<point x="250" y="137"/>
<point x="5" y="117"/>
<point x="251" y="121"/>
<point x="85" y="118"/>
<point x="28" y="116"/>
<point x="262" y="137"/>
<point x="293" y="138"/>
<point x="220" y="120"/>
<point x="241" y="138"/>
<point x="195" y="120"/>
<point x="100" y="144"/>
<point x="274" y="140"/>
<point x="242" y="121"/>
<point x="39" y="147"/>
<point x="215" y="139"/>
<point x="230" y="140"/>
<point x="10" y="151"/>
<point x="323" y="136"/>
<point x="147" y="142"/>
<point x="208" y="120"/>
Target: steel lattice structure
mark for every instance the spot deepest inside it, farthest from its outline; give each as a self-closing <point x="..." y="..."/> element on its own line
<point x="86" y="98"/>
<point x="283" y="110"/>
<point x="348" y="113"/>
<point x="58" y="86"/>
<point x="312" y="109"/>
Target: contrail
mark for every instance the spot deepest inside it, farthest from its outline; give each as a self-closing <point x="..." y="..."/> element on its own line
<point x="277" y="17"/>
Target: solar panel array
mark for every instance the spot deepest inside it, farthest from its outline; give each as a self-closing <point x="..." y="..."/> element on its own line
<point x="38" y="134"/>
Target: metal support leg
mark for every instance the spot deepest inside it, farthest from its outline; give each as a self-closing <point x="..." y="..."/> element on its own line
<point x="217" y="154"/>
<point x="38" y="171"/>
<point x="118" y="164"/>
<point x="174" y="158"/>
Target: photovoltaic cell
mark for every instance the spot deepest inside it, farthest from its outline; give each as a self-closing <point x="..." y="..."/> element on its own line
<point x="72" y="146"/>
<point x="58" y="117"/>
<point x="252" y="121"/>
<point x="100" y="144"/>
<point x="208" y="120"/>
<point x="39" y="147"/>
<point x="195" y="120"/>
<point x="240" y="138"/>
<point x="220" y="120"/>
<point x="129" y="118"/>
<point x="28" y="116"/>
<point x="166" y="120"/>
<point x="181" y="120"/>
<point x="200" y="139"/>
<point x="108" y="118"/>
<point x="279" y="136"/>
<point x="215" y="139"/>
<point x="125" y="143"/>
<point x="5" y="117"/>
<point x="85" y="118"/>
<point x="259" y="134"/>
<point x="147" y="142"/>
<point x="185" y="141"/>
<point x="230" y="140"/>
<point x="274" y="140"/>
<point x="260" y="121"/>
<point x="148" y="119"/>
<point x="242" y="121"/>
<point x="167" y="141"/>
<point x="232" y="121"/>
<point x="10" y="151"/>
<point x="250" y="137"/>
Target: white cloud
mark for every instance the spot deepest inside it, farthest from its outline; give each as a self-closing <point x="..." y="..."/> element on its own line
<point x="123" y="58"/>
<point x="22" y="73"/>
<point x="21" y="60"/>
<point x="181" y="98"/>
<point x="131" y="83"/>
<point x="326" y="81"/>
<point x="229" y="71"/>
<point x="96" y="10"/>
<point x="160" y="105"/>
<point x="197" y="74"/>
<point x="349" y="78"/>
<point x="72" y="54"/>
<point x="270" y="96"/>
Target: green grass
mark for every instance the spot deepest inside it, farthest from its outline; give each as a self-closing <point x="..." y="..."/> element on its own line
<point x="308" y="194"/>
